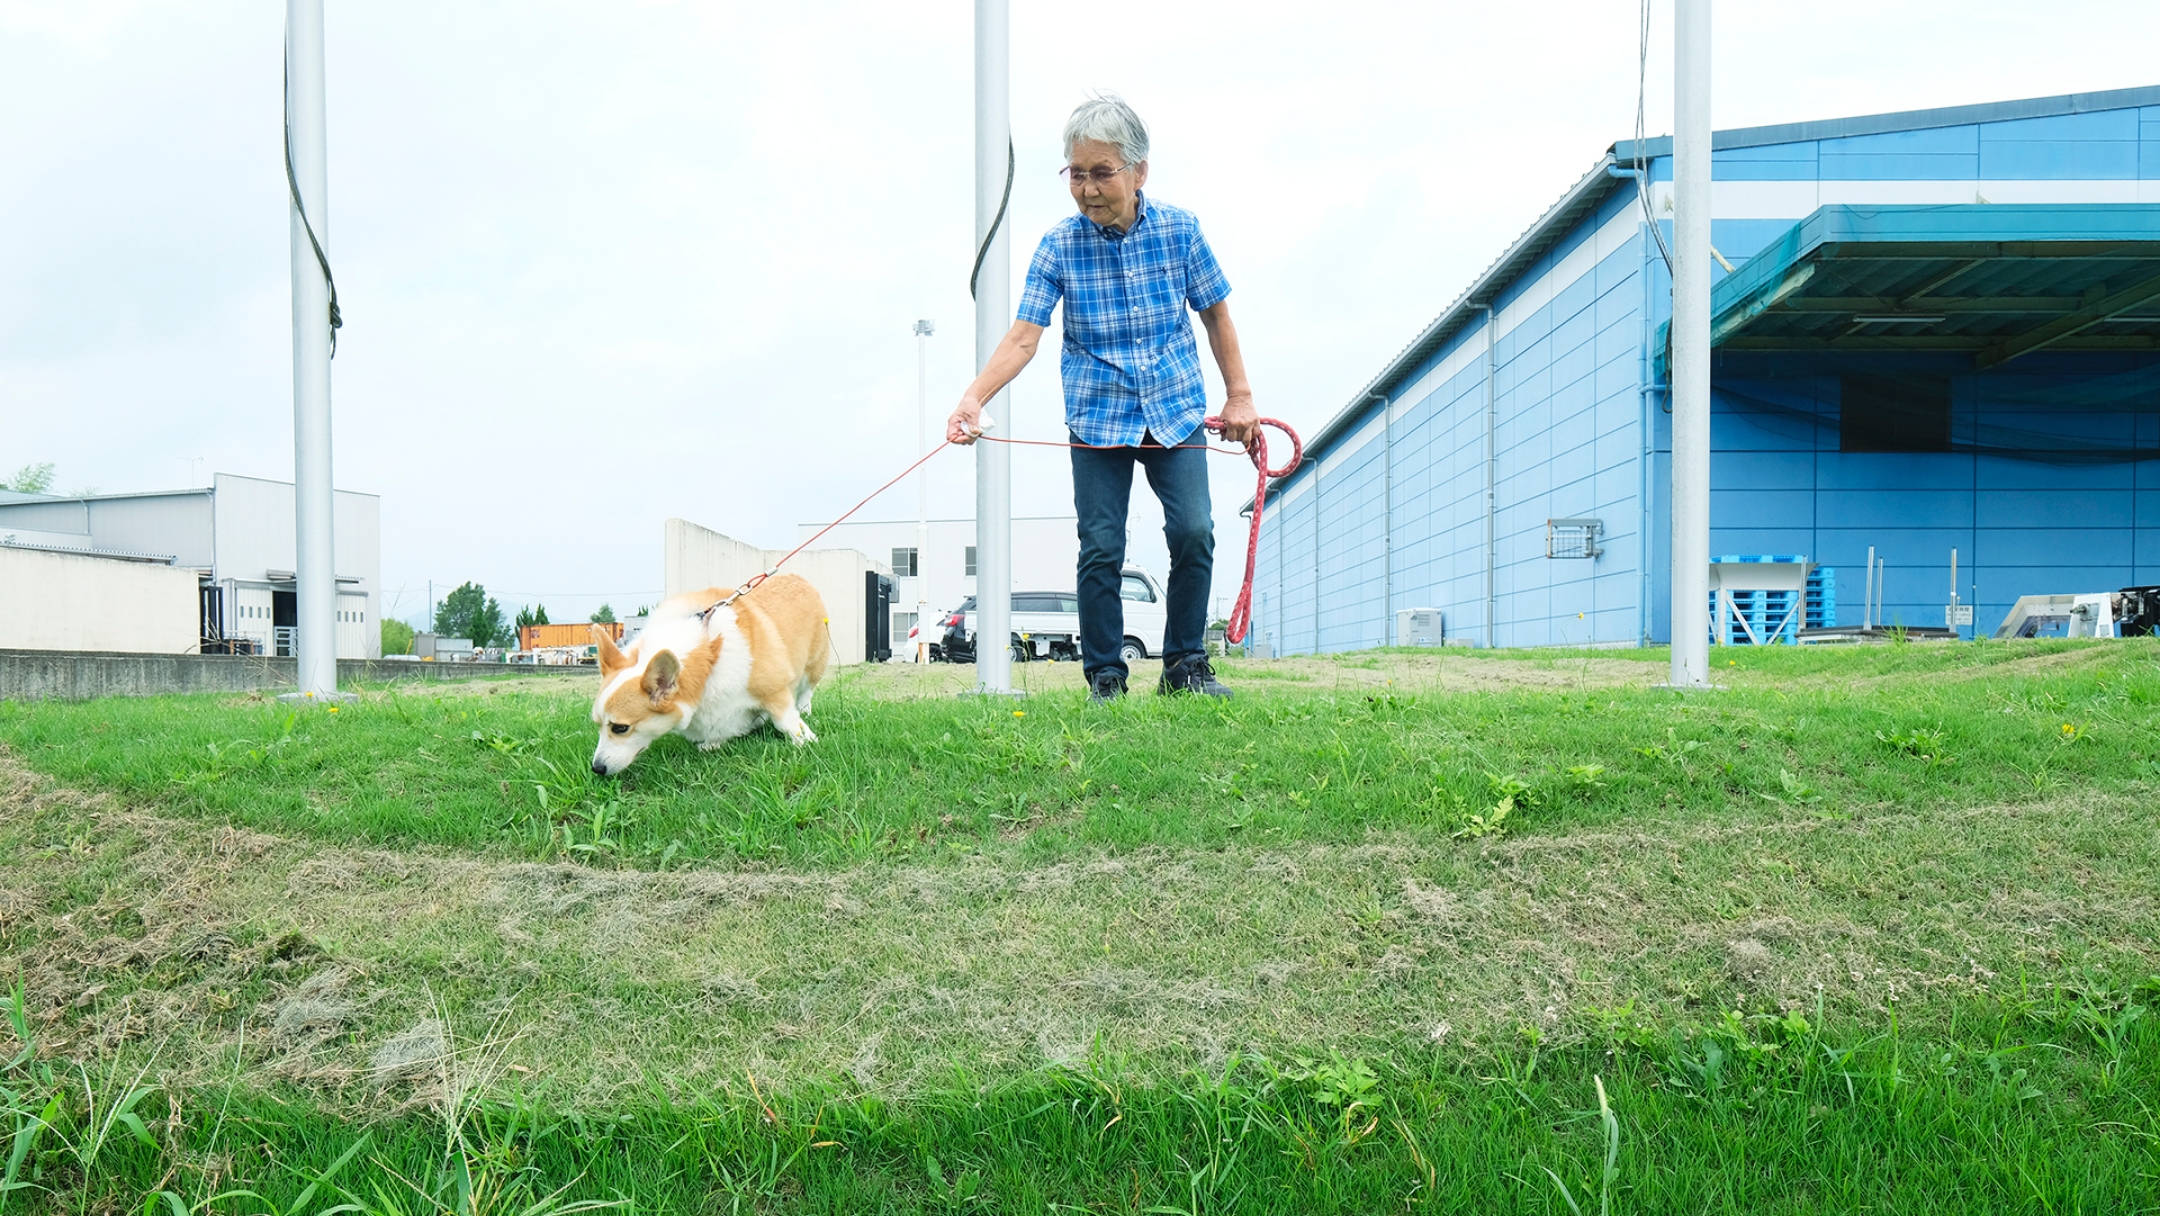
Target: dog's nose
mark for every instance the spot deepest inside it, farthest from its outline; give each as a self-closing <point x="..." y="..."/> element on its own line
<point x="599" y="768"/>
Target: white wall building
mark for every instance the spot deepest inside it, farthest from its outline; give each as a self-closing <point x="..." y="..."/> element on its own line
<point x="236" y="535"/>
<point x="695" y="557"/>
<point x="137" y="604"/>
<point x="1045" y="554"/>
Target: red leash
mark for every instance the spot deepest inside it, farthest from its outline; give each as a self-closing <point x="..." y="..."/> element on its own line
<point x="1256" y="448"/>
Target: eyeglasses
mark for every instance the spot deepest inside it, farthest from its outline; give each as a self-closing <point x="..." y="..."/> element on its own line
<point x="1101" y="177"/>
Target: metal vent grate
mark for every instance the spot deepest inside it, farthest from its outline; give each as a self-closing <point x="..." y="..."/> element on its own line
<point x="1573" y="537"/>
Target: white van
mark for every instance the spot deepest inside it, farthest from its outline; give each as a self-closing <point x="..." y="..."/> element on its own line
<point x="1046" y="624"/>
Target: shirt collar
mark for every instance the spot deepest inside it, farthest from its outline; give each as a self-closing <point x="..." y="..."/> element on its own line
<point x="1140" y="206"/>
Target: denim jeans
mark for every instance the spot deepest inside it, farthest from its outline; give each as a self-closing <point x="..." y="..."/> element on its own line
<point x="1102" y="497"/>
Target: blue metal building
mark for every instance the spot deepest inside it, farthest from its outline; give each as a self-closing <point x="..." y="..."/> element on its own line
<point x="1940" y="329"/>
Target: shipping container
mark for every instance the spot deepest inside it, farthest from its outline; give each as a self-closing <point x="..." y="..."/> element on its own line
<point x="533" y="637"/>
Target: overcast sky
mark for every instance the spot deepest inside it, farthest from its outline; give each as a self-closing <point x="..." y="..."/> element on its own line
<point x="605" y="263"/>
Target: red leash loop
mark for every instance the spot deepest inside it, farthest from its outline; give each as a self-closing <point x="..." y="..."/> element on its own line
<point x="1256" y="447"/>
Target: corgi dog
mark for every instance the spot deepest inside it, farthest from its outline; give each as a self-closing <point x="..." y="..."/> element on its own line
<point x="713" y="675"/>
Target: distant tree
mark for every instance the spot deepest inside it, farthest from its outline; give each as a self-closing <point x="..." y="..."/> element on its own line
<point x="468" y="613"/>
<point x="397" y="637"/>
<point x="31" y="479"/>
<point x="643" y="610"/>
<point x="534" y="614"/>
<point x="606" y="616"/>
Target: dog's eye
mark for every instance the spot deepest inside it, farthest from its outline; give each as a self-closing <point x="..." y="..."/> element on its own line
<point x="618" y="728"/>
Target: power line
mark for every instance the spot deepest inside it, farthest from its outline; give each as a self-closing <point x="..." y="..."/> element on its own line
<point x="1642" y="172"/>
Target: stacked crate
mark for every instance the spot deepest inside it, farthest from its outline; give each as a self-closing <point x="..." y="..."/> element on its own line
<point x="1764" y="610"/>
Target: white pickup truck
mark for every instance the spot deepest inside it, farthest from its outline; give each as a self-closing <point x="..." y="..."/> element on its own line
<point x="1046" y="624"/>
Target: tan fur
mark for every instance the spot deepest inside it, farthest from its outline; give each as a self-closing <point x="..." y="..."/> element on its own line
<point x="612" y="658"/>
<point x="783" y="619"/>
<point x="654" y="695"/>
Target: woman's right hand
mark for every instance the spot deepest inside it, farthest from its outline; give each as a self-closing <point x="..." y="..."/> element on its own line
<point x="965" y="423"/>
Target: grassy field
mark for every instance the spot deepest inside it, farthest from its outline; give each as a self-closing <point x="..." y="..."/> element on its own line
<point x="1871" y="929"/>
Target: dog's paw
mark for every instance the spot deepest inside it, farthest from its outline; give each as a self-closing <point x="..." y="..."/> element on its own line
<point x="802" y="734"/>
<point x="712" y="745"/>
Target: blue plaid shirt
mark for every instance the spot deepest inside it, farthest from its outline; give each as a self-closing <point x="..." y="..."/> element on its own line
<point x="1130" y="364"/>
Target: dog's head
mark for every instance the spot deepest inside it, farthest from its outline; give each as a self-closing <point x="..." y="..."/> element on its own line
<point x="643" y="697"/>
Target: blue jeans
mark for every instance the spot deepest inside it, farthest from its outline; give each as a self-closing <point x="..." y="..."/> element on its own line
<point x="1102" y="496"/>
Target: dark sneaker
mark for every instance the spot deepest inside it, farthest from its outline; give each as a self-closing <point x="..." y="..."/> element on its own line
<point x="1191" y="674"/>
<point x="1104" y="687"/>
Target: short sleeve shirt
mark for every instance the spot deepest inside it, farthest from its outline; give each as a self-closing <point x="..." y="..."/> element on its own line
<point x="1130" y="364"/>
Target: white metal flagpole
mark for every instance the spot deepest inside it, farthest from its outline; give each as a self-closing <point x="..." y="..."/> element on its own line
<point x="993" y="315"/>
<point x="307" y="167"/>
<point x="923" y="330"/>
<point x="1691" y="346"/>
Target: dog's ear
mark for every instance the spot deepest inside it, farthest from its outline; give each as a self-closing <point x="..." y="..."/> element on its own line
<point x="612" y="659"/>
<point x="663" y="676"/>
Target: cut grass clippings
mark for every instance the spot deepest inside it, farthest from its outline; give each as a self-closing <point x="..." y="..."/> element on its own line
<point x="1868" y="929"/>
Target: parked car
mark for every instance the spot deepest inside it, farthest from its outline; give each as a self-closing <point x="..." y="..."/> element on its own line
<point x="1046" y="624"/>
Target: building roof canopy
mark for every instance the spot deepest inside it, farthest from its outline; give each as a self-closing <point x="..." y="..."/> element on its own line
<point x="1611" y="173"/>
<point x="1988" y="282"/>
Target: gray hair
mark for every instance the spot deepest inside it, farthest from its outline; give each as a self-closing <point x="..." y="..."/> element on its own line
<point x="1107" y="119"/>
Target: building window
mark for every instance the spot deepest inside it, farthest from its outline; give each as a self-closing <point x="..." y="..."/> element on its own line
<point x="971" y="561"/>
<point x="903" y="563"/>
<point x="1893" y="413"/>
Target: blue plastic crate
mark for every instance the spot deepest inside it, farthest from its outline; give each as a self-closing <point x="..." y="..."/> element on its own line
<point x="1765" y="610"/>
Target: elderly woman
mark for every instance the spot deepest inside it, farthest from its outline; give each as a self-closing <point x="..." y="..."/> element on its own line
<point x="1127" y="267"/>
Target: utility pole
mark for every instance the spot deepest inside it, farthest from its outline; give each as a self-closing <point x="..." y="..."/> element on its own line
<point x="308" y="202"/>
<point x="923" y="330"/>
<point x="993" y="315"/>
<point x="1691" y="346"/>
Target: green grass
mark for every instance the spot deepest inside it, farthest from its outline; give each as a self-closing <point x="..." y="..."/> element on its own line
<point x="1927" y="727"/>
<point x="2039" y="1103"/>
<point x="1867" y="930"/>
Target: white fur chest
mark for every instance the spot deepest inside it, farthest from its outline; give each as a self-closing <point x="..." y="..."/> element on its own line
<point x="724" y="708"/>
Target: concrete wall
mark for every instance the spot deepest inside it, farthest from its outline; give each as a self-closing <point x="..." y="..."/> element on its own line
<point x="695" y="557"/>
<point x="67" y="601"/>
<point x="33" y="675"/>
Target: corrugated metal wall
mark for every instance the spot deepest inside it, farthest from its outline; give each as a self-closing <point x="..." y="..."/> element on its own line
<point x="1568" y="376"/>
<point x="1567" y="408"/>
<point x="1780" y="484"/>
